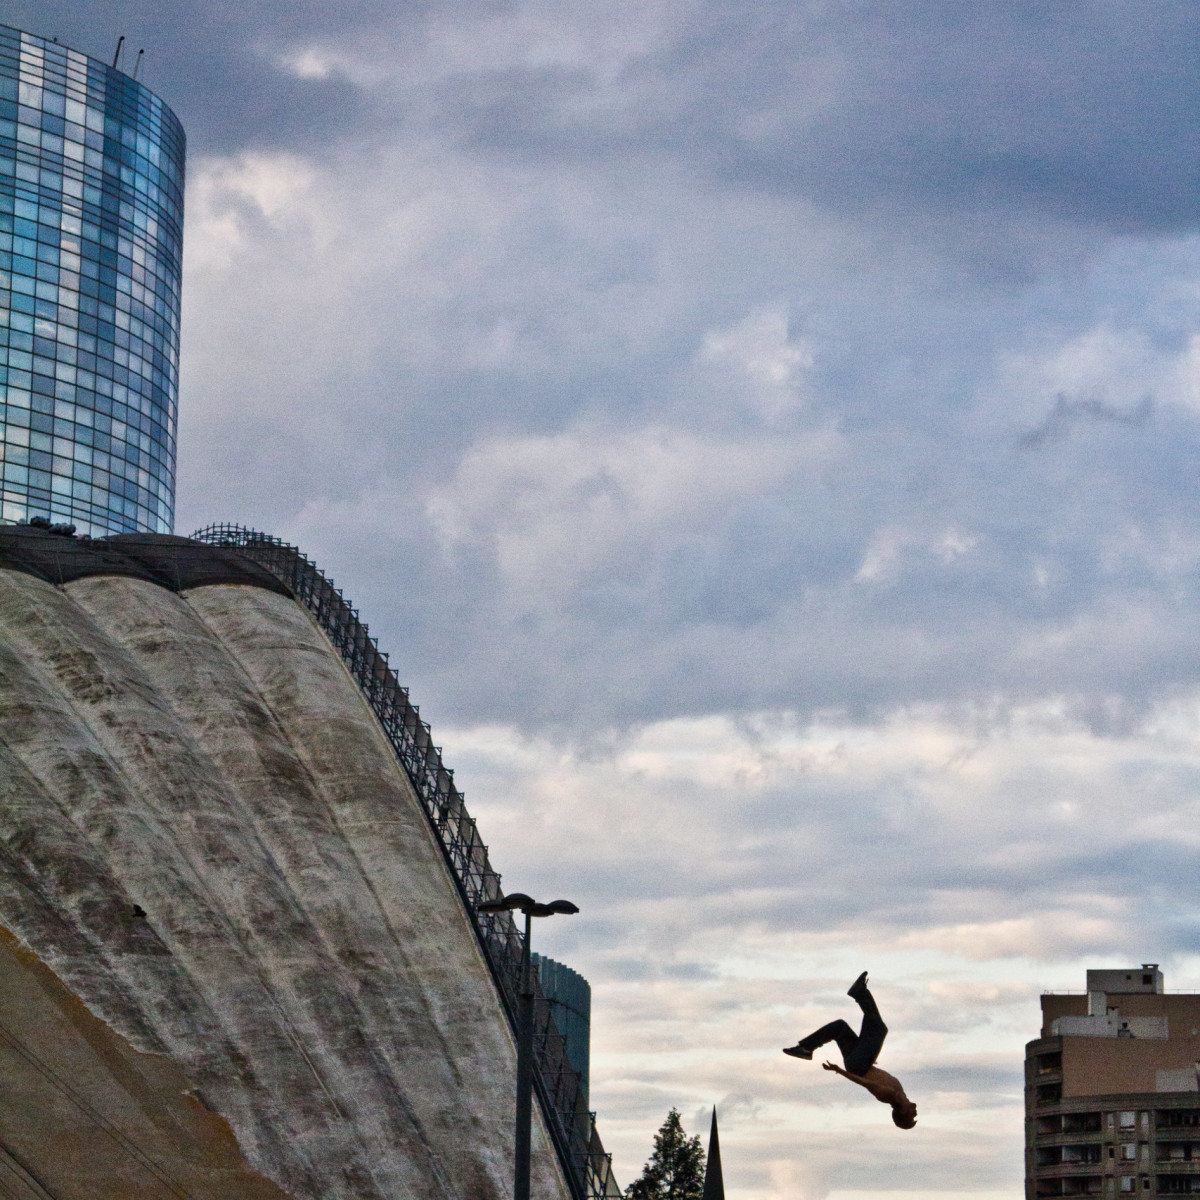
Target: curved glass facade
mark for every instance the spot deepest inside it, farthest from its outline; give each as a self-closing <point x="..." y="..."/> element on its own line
<point x="570" y="997"/>
<point x="91" y="241"/>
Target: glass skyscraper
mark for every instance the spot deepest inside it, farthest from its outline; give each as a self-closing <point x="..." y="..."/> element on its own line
<point x="91" y="240"/>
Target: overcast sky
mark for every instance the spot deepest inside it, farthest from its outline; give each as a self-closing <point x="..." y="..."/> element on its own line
<point x="766" y="438"/>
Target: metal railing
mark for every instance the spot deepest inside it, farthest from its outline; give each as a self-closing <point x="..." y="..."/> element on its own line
<point x="587" y="1167"/>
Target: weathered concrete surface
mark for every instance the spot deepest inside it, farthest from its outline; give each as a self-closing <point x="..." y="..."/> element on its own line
<point x="205" y="834"/>
<point x="86" y="1117"/>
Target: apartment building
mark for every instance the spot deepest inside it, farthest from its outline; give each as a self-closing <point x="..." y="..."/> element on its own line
<point x="1112" y="1105"/>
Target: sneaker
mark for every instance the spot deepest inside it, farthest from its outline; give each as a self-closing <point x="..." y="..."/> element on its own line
<point x="858" y="986"/>
<point x="799" y="1050"/>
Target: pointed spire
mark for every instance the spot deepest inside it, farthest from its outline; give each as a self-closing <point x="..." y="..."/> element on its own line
<point x="714" y="1182"/>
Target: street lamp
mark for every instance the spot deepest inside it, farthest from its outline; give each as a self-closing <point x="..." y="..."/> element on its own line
<point x="531" y="908"/>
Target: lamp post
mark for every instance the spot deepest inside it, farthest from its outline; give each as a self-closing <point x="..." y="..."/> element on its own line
<point x="531" y="908"/>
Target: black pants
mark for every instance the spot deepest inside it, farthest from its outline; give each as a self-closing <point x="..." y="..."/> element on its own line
<point x="859" y="1051"/>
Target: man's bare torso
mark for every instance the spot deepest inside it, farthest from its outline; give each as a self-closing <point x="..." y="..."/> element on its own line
<point x="886" y="1088"/>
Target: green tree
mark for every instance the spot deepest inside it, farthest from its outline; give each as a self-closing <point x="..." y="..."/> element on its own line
<point x="676" y="1168"/>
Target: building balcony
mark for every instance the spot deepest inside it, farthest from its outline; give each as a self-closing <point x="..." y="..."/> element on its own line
<point x="1177" y="1185"/>
<point x="1070" y="1155"/>
<point x="1183" y="1120"/>
<point x="1085" y="1185"/>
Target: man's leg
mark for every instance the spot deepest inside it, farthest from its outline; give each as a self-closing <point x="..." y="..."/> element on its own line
<point x="836" y="1031"/>
<point x="867" y="1046"/>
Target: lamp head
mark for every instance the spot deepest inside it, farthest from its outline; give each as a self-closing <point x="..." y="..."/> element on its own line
<point x="527" y="905"/>
<point x="506" y="903"/>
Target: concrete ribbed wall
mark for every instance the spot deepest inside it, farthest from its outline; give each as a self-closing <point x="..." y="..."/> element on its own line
<point x="205" y="834"/>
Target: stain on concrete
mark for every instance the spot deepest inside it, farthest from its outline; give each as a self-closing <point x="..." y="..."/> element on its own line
<point x="85" y="1116"/>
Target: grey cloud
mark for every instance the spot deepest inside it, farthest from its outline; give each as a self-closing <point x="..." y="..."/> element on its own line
<point x="999" y="855"/>
<point x="1067" y="414"/>
<point x="217" y="64"/>
<point x="1002" y="1084"/>
<point x="732" y="1109"/>
<point x="867" y="1164"/>
<point x="936" y="105"/>
<point x="640" y="971"/>
<point x="869" y="108"/>
<point x="759" y="602"/>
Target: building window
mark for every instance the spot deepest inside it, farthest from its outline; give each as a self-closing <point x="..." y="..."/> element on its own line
<point x="1129" y="1151"/>
<point x="1047" y="1063"/>
<point x="1128" y="1120"/>
<point x="1127" y="1182"/>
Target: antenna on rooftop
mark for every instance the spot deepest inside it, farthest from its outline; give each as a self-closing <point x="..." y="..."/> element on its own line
<point x="138" y="63"/>
<point x="117" y="56"/>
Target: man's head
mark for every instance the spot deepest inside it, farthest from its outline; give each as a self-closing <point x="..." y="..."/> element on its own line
<point x="904" y="1114"/>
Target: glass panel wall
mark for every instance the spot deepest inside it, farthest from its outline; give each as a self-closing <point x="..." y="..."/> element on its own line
<point x="91" y="240"/>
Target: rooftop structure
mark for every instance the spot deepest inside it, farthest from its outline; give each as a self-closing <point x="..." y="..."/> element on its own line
<point x="91" y="242"/>
<point x="1112" y="1100"/>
